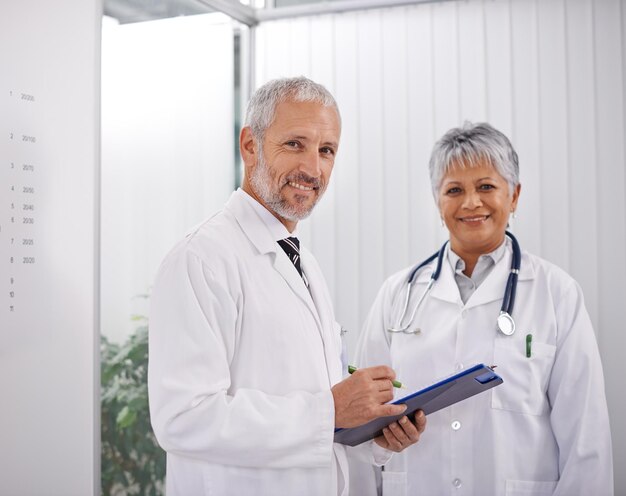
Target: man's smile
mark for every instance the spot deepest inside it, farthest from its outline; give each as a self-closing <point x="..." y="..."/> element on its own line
<point x="300" y="186"/>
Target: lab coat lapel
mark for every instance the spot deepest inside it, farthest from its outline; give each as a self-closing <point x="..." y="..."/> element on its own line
<point x="445" y="287"/>
<point x="286" y="269"/>
<point x="324" y="306"/>
<point x="493" y="287"/>
<point x="258" y="234"/>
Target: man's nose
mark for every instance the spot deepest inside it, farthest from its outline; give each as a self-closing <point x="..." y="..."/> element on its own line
<point x="310" y="163"/>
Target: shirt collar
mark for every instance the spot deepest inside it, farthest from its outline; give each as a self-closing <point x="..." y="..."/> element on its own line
<point x="276" y="228"/>
<point x="458" y="265"/>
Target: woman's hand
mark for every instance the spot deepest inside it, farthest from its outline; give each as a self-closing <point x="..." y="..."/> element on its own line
<point x="403" y="433"/>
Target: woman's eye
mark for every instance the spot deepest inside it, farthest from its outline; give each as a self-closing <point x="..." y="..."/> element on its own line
<point x="453" y="191"/>
<point x="292" y="144"/>
<point x="486" y="187"/>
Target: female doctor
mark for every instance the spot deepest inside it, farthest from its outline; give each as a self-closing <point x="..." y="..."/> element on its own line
<point x="545" y="430"/>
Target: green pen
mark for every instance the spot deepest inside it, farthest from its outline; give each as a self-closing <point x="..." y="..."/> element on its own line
<point x="397" y="384"/>
<point x="529" y="341"/>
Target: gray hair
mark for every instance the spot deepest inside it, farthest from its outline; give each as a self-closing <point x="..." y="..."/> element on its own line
<point x="468" y="146"/>
<point x="262" y="106"/>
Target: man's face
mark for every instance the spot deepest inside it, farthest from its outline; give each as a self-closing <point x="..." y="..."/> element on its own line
<point x="293" y="167"/>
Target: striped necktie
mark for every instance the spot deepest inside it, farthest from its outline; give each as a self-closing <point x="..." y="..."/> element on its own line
<point x="291" y="246"/>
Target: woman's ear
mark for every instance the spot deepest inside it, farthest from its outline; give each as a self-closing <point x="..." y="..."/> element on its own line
<point x="516" y="192"/>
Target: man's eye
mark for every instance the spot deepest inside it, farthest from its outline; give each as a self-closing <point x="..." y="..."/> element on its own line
<point x="326" y="150"/>
<point x="292" y="144"/>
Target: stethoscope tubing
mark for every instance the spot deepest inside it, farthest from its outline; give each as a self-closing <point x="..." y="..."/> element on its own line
<point x="433" y="277"/>
<point x="508" y="300"/>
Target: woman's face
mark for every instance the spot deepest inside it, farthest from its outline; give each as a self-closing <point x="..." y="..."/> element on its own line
<point x="475" y="203"/>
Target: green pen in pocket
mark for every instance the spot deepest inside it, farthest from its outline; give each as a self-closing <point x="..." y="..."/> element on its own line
<point x="529" y="342"/>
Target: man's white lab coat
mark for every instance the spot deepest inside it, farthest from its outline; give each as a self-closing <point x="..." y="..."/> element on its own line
<point x="242" y="359"/>
<point x="544" y="431"/>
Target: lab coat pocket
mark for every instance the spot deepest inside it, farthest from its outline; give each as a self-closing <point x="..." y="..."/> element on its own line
<point x="394" y="483"/>
<point x="525" y="378"/>
<point x="530" y="488"/>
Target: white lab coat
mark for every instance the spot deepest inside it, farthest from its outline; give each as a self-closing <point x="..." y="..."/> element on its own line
<point x="242" y="359"/>
<point x="544" y="431"/>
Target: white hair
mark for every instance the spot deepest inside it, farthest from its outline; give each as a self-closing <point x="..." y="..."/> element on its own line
<point x="469" y="146"/>
<point x="262" y="106"/>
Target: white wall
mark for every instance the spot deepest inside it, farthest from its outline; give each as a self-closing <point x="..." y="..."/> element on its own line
<point x="167" y="148"/>
<point x="49" y="164"/>
<point x="549" y="73"/>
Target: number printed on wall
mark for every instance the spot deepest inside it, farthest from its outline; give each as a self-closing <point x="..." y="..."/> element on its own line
<point x="19" y="205"/>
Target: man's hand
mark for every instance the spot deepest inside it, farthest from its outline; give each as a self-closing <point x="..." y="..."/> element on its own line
<point x="362" y="397"/>
<point x="403" y="433"/>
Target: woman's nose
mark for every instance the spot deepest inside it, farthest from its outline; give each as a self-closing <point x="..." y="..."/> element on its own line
<point x="472" y="200"/>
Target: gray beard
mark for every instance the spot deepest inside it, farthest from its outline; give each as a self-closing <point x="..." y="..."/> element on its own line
<point x="261" y="181"/>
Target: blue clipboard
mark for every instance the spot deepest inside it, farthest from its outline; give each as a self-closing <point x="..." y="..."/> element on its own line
<point x="456" y="388"/>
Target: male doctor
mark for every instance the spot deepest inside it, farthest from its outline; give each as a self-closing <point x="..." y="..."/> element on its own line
<point x="245" y="375"/>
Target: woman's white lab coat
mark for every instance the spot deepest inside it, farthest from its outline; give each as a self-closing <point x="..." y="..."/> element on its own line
<point x="242" y="359"/>
<point x="544" y="431"/>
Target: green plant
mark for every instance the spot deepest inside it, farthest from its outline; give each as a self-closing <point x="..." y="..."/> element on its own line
<point x="132" y="461"/>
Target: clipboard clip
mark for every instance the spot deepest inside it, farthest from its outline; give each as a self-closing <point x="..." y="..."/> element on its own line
<point x="486" y="377"/>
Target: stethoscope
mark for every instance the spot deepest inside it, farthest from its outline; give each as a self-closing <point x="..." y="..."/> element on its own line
<point x="505" y="322"/>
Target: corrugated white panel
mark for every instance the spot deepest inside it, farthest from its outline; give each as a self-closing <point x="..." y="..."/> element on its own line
<point x="425" y="230"/>
<point x="498" y="64"/>
<point x="582" y="165"/>
<point x="526" y="131"/>
<point x="395" y="139"/>
<point x="472" y="63"/>
<point x="553" y="116"/>
<point x="548" y="73"/>
<point x="372" y="169"/>
<point x="278" y="51"/>
<point x="300" y="45"/>
<point x="445" y="66"/>
<point x="346" y="179"/>
<point x="611" y="242"/>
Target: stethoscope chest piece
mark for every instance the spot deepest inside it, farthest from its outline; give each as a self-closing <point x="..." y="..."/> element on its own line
<point x="506" y="324"/>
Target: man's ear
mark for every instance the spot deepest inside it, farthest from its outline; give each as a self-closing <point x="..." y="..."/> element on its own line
<point x="248" y="148"/>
